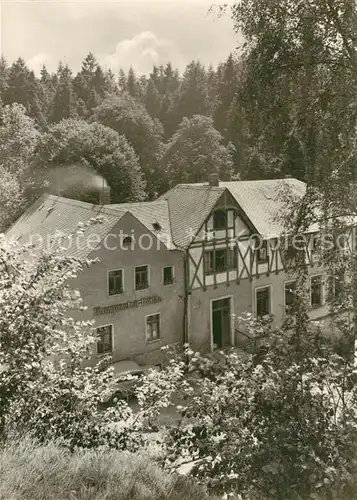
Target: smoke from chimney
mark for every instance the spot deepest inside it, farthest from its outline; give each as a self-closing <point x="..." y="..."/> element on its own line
<point x="78" y="181"/>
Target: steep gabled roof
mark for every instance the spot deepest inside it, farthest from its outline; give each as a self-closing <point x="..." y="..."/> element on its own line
<point x="189" y="206"/>
<point x="154" y="215"/>
<point x="263" y="201"/>
<point x="52" y="222"/>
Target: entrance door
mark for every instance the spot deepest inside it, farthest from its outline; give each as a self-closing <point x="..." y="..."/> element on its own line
<point x="221" y="322"/>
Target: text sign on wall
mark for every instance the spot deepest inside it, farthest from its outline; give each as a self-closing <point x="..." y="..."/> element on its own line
<point x="99" y="311"/>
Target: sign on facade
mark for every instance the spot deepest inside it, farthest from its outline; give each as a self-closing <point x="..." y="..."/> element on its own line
<point x="99" y="311"/>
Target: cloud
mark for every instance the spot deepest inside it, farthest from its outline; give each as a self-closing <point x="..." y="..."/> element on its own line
<point x="141" y="52"/>
<point x="36" y="62"/>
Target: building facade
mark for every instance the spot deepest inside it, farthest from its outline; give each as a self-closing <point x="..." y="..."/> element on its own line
<point x="179" y="269"/>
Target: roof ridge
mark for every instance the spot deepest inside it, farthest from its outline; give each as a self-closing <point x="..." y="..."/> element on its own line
<point x="196" y="186"/>
<point x="137" y="203"/>
<point x="92" y="207"/>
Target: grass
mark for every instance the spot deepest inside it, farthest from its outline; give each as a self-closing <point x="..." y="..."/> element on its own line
<point x="30" y="472"/>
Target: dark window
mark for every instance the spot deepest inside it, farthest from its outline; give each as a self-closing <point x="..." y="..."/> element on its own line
<point x="221" y="260"/>
<point x="315" y="244"/>
<point x="168" y="275"/>
<point x="337" y="285"/>
<point x="262" y="251"/>
<point x="290" y="297"/>
<point x="220" y="220"/>
<point x="153" y="327"/>
<point x="127" y="241"/>
<point x="263" y="302"/>
<point x="105" y="341"/>
<point x="115" y="282"/>
<point x="141" y="277"/>
<point x="316" y="291"/>
<point x="208" y="263"/>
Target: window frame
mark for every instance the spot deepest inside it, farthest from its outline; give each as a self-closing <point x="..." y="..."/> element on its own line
<point x="214" y="221"/>
<point x="256" y="291"/>
<point x="314" y="276"/>
<point x="172" y="281"/>
<point x="286" y="283"/>
<point x="341" y="284"/>
<point x="127" y="241"/>
<point x="231" y="264"/>
<point x="107" y="353"/>
<point x="148" y="277"/>
<point x="258" y="250"/>
<point x="150" y="340"/>
<point x="122" y="281"/>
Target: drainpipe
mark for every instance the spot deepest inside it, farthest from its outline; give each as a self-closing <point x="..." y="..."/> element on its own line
<point x="186" y="300"/>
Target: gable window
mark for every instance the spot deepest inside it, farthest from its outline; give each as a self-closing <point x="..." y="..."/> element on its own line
<point x="316" y="291"/>
<point x="168" y="275"/>
<point x="290" y="297"/>
<point x="262" y="251"/>
<point x="115" y="282"/>
<point x="262" y="297"/>
<point x="153" y="327"/>
<point x="220" y="260"/>
<point x="105" y="340"/>
<point x="219" y="220"/>
<point x="127" y="241"/>
<point x="141" y="277"/>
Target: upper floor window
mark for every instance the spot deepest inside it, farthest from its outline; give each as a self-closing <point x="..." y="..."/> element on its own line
<point x="153" y="327"/>
<point x="168" y="275"/>
<point x="220" y="260"/>
<point x="263" y="302"/>
<point x="290" y="296"/>
<point x="141" y="277"/>
<point x="115" y="282"/>
<point x="105" y="339"/>
<point x="262" y="251"/>
<point x="316" y="292"/>
<point x="219" y="220"/>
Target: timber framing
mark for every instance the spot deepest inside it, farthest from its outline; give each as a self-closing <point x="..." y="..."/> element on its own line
<point x="279" y="254"/>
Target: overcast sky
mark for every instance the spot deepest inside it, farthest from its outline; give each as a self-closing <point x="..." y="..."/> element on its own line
<point x="120" y="33"/>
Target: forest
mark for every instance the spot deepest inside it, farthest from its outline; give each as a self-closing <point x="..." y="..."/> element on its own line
<point x="141" y="134"/>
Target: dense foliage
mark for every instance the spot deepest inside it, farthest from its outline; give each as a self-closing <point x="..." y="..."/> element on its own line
<point x="47" y="388"/>
<point x="275" y="426"/>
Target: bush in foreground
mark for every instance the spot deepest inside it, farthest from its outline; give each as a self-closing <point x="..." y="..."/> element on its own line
<point x="35" y="472"/>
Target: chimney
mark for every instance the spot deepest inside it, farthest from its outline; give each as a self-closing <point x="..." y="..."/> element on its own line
<point x="214" y="180"/>
<point x="104" y="196"/>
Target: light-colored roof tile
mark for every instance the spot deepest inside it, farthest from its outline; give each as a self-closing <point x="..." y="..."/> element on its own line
<point x="189" y="206"/>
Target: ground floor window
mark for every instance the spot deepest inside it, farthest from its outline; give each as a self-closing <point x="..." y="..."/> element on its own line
<point x="316" y="295"/>
<point x="153" y="327"/>
<point x="337" y="285"/>
<point x="263" y="298"/>
<point x="290" y="297"/>
<point x="105" y="339"/>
